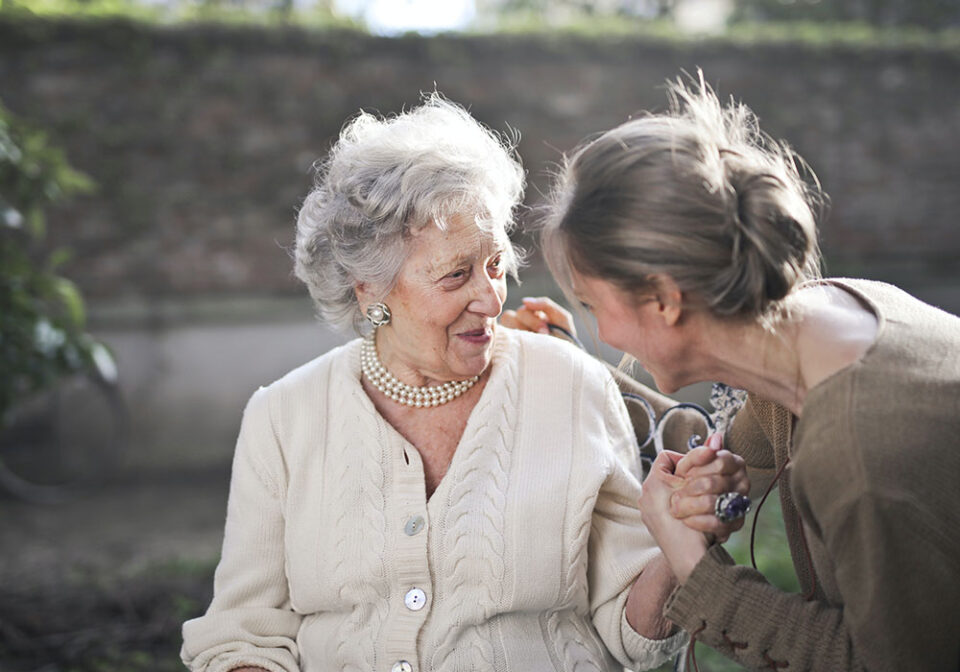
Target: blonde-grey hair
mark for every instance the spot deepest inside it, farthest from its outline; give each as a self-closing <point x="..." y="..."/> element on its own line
<point x="698" y="193"/>
<point x="387" y="177"/>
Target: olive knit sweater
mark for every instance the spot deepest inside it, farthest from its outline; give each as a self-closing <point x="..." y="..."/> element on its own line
<point x="871" y="504"/>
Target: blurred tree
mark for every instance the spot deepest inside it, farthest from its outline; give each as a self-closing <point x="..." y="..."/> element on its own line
<point x="41" y="312"/>
<point x="925" y="13"/>
<point x="881" y="13"/>
<point x="552" y="10"/>
<point x="644" y="8"/>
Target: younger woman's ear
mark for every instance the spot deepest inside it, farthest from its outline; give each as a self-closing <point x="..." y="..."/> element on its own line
<point x="669" y="299"/>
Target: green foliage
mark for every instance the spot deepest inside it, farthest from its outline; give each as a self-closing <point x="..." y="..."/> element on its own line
<point x="41" y="312"/>
<point x="268" y="12"/>
<point x="844" y="34"/>
<point x="556" y="20"/>
<point x="857" y="36"/>
<point x="926" y="13"/>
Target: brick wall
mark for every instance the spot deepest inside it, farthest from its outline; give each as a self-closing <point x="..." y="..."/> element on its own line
<point x="201" y="138"/>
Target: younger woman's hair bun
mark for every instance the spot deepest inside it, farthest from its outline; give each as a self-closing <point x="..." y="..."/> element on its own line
<point x="698" y="193"/>
<point x="773" y="244"/>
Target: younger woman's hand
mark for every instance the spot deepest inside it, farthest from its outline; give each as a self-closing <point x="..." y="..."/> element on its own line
<point x="536" y="313"/>
<point x="708" y="471"/>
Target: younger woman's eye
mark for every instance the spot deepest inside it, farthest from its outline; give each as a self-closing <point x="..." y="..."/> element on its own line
<point x="586" y="306"/>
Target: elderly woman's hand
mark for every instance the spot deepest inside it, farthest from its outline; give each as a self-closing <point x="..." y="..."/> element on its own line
<point x="708" y="471"/>
<point x="536" y="313"/>
<point x="681" y="545"/>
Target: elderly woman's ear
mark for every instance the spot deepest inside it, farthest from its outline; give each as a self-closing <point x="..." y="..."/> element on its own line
<point x="360" y="289"/>
<point x="365" y="295"/>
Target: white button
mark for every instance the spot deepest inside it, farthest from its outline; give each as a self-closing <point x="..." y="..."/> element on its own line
<point x="415" y="599"/>
<point x="401" y="666"/>
<point x="413" y="526"/>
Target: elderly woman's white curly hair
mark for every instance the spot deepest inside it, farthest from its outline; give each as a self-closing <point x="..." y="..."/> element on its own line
<point x="387" y="177"/>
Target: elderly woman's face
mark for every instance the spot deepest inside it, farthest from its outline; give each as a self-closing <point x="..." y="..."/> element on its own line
<point x="445" y="303"/>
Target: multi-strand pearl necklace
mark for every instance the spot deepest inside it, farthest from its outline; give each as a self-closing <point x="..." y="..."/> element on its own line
<point x="418" y="397"/>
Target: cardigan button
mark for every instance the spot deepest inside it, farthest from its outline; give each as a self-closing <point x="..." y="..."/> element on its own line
<point x="415" y="599"/>
<point x="401" y="666"/>
<point x="414" y="525"/>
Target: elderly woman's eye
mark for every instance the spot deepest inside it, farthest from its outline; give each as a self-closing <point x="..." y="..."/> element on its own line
<point x="496" y="267"/>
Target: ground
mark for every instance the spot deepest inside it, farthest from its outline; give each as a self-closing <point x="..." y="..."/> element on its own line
<point x="102" y="583"/>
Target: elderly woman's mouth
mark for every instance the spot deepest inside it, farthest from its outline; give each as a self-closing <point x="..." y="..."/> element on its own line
<point x="480" y="336"/>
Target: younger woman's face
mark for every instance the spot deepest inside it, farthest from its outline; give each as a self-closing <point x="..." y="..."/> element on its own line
<point x="637" y="325"/>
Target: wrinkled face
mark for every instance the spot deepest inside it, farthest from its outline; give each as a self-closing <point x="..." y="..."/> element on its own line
<point x="445" y="303"/>
<point x="635" y="325"/>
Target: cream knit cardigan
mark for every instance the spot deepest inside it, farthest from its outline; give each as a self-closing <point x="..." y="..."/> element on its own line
<point x="524" y="555"/>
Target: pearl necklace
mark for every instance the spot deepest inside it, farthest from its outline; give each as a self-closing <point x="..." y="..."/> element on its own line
<point x="418" y="397"/>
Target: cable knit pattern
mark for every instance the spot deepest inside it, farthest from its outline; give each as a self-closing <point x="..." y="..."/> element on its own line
<point x="521" y="559"/>
<point x="361" y="483"/>
<point x="475" y="515"/>
<point x="565" y="625"/>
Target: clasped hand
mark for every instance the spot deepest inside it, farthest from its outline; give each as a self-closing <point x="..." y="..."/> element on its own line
<point x="679" y="499"/>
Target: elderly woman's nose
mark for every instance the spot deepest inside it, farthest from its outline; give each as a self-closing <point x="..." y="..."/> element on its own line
<point x="487" y="299"/>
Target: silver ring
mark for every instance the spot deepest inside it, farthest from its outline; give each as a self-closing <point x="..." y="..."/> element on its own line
<point x="731" y="506"/>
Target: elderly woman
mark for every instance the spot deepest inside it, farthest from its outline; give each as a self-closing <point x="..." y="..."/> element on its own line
<point x="692" y="239"/>
<point x="442" y="494"/>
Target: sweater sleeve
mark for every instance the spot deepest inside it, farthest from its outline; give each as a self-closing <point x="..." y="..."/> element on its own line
<point x="870" y="540"/>
<point x="250" y="621"/>
<point x="891" y="562"/>
<point x="620" y="547"/>
<point x="734" y="610"/>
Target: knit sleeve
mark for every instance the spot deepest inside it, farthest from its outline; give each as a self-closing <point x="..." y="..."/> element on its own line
<point x="249" y="622"/>
<point x="734" y="610"/>
<point x="620" y="547"/>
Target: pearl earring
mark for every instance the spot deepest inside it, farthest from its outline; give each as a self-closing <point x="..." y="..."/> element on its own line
<point x="378" y="314"/>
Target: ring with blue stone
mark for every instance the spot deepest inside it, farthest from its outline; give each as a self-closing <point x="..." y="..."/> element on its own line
<point x="731" y="506"/>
